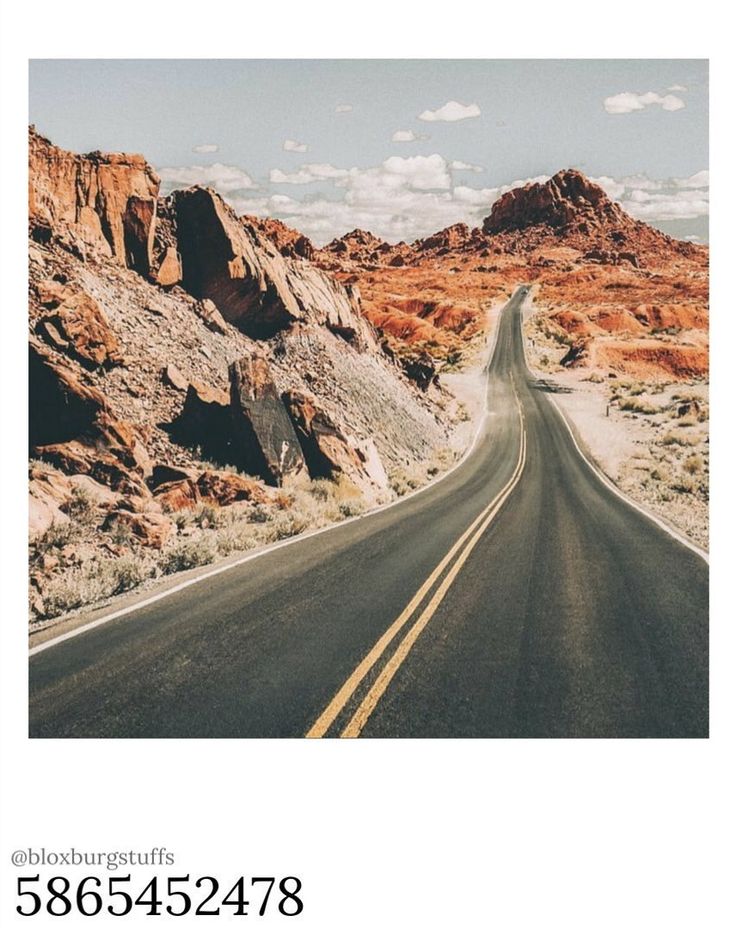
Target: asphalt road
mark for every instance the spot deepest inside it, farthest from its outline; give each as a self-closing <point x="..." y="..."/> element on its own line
<point x="517" y="597"/>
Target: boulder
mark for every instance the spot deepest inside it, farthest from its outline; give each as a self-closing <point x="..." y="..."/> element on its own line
<point x="168" y="273"/>
<point x="152" y="529"/>
<point x="211" y="316"/>
<point x="177" y="494"/>
<point x="328" y="452"/>
<point x="61" y="407"/>
<point x="224" y="488"/>
<point x="205" y="422"/>
<point x="421" y="369"/>
<point x="78" y="326"/>
<point x="172" y="376"/>
<point x="264" y="439"/>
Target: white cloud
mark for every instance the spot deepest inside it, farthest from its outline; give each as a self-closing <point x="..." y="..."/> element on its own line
<point x="631" y="102"/>
<point x="695" y="181"/>
<point x="412" y="197"/>
<point x="677" y="88"/>
<point x="293" y="145"/>
<point x="451" y="112"/>
<point x="421" y="172"/>
<point x="307" y="174"/>
<point x="406" y="135"/>
<point x="223" y="177"/>
<point x="344" y="108"/>
<point x="652" y="200"/>
<point x="207" y="149"/>
<point x="464" y="166"/>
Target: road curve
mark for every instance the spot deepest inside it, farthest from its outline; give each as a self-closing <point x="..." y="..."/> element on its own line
<point x="517" y="597"/>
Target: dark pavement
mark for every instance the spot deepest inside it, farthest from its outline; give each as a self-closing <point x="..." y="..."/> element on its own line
<point x="572" y="615"/>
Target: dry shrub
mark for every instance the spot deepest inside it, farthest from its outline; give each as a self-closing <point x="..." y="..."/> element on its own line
<point x="189" y="553"/>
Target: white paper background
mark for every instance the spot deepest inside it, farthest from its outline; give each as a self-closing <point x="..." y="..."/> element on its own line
<point x="508" y="833"/>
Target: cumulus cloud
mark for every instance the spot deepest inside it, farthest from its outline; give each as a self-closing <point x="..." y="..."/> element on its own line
<point x="464" y="166"/>
<point x="209" y="148"/>
<point x="452" y="111"/>
<point x="631" y="102"/>
<point x="696" y="181"/>
<point x="677" y="88"/>
<point x="658" y="200"/>
<point x="225" y="178"/>
<point x="344" y="108"/>
<point x="407" y="135"/>
<point x="307" y="174"/>
<point x="293" y="145"/>
<point x="412" y="197"/>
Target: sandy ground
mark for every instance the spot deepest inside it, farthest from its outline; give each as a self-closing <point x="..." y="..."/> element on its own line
<point x="650" y="439"/>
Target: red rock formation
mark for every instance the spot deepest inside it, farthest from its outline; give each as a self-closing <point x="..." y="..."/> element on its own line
<point x="289" y="242"/>
<point x="104" y="201"/>
<point x="263" y="435"/>
<point x="328" y="452"/>
<point x="567" y="197"/>
<point x="77" y="325"/>
<point x="227" y="261"/>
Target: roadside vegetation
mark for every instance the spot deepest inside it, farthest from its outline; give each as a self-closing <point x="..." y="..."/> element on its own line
<point x="70" y="569"/>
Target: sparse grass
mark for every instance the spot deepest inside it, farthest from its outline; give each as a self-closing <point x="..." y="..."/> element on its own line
<point x="694" y="464"/>
<point x="121" y="534"/>
<point x="206" y="516"/>
<point x="685" y="484"/>
<point x="633" y="404"/>
<point x="57" y="535"/>
<point x="188" y="553"/>
<point x="204" y="534"/>
<point x="678" y="438"/>
<point x="93" y="581"/>
<point x="81" y="508"/>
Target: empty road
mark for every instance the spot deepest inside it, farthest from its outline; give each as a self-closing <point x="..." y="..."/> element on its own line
<point x="517" y="597"/>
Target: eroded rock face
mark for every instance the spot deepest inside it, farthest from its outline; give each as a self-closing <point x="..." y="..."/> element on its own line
<point x="289" y="242"/>
<point x="77" y="325"/>
<point x="165" y="268"/>
<point x="228" y="261"/>
<point x="568" y="196"/>
<point x="328" y="452"/>
<point x="204" y="421"/>
<point x="263" y="434"/>
<point x="61" y="407"/>
<point x="103" y="201"/>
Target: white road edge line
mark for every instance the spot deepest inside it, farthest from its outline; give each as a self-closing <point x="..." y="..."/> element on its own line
<point x="156" y="597"/>
<point x="604" y="478"/>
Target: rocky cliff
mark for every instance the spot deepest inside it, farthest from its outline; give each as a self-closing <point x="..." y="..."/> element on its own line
<point x="191" y="388"/>
<point x="105" y="202"/>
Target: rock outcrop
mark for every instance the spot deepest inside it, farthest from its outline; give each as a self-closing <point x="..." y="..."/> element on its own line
<point x="77" y="325"/>
<point x="566" y="198"/>
<point x="329" y="453"/>
<point x="288" y="242"/>
<point x="103" y="201"/>
<point x="227" y="260"/>
<point x="263" y="435"/>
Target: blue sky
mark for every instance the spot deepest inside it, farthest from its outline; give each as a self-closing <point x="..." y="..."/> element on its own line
<point x="318" y="143"/>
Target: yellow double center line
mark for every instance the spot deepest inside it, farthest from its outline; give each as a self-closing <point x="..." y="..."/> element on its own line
<point x="370" y="701"/>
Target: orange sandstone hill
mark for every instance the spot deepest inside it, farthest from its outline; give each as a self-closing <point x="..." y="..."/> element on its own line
<point x="613" y="292"/>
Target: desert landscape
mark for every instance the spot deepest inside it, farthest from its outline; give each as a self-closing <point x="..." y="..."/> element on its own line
<point x="204" y="383"/>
